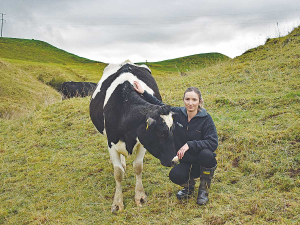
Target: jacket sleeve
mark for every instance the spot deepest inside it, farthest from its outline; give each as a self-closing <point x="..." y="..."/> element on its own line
<point x="210" y="139"/>
<point x="151" y="99"/>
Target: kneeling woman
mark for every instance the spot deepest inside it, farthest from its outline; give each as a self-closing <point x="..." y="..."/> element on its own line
<point x="196" y="139"/>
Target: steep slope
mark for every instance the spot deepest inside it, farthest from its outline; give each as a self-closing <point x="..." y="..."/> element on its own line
<point x="188" y="63"/>
<point x="30" y="69"/>
<point x="280" y="48"/>
<point x="20" y="93"/>
<point x="36" y="51"/>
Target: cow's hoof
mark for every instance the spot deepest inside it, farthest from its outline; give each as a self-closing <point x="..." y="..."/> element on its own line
<point x="117" y="208"/>
<point x="140" y="200"/>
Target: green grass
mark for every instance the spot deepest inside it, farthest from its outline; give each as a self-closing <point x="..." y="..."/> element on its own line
<point x="26" y="86"/>
<point x="185" y="65"/>
<point x="55" y="166"/>
<point x="36" y="51"/>
<point x="27" y="65"/>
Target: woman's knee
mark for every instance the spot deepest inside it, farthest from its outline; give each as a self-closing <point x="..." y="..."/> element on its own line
<point x="180" y="173"/>
<point x="207" y="158"/>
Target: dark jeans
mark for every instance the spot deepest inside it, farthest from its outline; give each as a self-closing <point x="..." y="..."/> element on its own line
<point x="189" y="166"/>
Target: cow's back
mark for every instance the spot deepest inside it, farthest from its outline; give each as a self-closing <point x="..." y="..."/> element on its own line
<point x="108" y="94"/>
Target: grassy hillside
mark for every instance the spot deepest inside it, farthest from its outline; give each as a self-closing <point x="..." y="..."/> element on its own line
<point x="32" y="72"/>
<point x="26" y="85"/>
<point x="35" y="65"/>
<point x="55" y="166"/>
<point x="20" y="93"/>
<point x="36" y="51"/>
<point x="185" y="65"/>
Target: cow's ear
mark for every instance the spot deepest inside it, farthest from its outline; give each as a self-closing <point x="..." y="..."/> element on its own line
<point x="150" y="122"/>
<point x="174" y="114"/>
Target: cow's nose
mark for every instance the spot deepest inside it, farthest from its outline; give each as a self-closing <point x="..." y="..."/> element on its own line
<point x="175" y="161"/>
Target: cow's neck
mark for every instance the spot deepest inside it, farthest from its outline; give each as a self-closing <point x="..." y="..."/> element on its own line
<point x="139" y="106"/>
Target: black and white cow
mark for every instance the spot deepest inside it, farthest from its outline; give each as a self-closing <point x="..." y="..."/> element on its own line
<point x="131" y="124"/>
<point x="77" y="89"/>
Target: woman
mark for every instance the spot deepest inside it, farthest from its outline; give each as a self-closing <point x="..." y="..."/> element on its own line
<point x="196" y="139"/>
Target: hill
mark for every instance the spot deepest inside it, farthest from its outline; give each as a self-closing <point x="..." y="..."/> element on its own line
<point x="32" y="72"/>
<point x="55" y="165"/>
<point x="184" y="65"/>
<point x="36" y="51"/>
<point x="37" y="63"/>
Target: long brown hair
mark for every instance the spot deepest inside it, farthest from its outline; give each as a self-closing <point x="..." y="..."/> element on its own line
<point x="197" y="91"/>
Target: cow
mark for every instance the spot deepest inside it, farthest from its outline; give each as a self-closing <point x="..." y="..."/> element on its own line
<point x="131" y="124"/>
<point x="77" y="89"/>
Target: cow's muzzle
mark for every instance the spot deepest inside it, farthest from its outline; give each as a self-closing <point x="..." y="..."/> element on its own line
<point x="175" y="161"/>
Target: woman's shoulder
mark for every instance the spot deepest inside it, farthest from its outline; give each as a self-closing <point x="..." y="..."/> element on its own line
<point x="202" y="113"/>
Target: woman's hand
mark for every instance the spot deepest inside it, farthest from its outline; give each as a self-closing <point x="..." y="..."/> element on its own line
<point x="138" y="87"/>
<point x="182" y="150"/>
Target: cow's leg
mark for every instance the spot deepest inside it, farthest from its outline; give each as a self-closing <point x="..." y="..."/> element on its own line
<point x="119" y="175"/>
<point x="123" y="161"/>
<point x="140" y="196"/>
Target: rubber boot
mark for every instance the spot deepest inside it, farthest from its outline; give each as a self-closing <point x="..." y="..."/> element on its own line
<point x="206" y="174"/>
<point x="187" y="191"/>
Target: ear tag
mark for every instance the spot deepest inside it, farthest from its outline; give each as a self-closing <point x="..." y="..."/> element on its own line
<point x="147" y="124"/>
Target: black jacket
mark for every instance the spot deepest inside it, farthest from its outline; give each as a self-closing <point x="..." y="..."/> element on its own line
<point x="200" y="133"/>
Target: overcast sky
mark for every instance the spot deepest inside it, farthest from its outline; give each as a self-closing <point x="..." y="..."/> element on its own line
<point x="113" y="31"/>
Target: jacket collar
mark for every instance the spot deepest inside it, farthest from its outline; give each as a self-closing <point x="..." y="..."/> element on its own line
<point x="201" y="113"/>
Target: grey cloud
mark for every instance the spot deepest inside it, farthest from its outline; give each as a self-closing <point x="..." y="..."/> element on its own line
<point x="109" y="30"/>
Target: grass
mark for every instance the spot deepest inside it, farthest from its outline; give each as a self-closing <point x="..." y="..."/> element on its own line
<point x="55" y="166"/>
<point x="26" y="86"/>
<point x="36" y="51"/>
<point x="185" y="65"/>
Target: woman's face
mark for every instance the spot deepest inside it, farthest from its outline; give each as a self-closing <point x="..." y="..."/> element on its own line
<point x="191" y="101"/>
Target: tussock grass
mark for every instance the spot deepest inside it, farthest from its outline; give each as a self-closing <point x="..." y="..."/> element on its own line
<point x="55" y="166"/>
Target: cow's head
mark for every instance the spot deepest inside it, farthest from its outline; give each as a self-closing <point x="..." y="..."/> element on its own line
<point x="156" y="135"/>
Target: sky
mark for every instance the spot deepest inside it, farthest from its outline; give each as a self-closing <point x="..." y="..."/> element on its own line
<point x="113" y="31"/>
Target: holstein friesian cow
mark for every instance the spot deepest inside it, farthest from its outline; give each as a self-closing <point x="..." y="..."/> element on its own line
<point x="77" y="89"/>
<point x="131" y="124"/>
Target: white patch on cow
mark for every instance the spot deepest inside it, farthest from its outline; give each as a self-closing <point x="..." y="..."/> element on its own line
<point x="115" y="157"/>
<point x="111" y="69"/>
<point x="108" y="70"/>
<point x="120" y="147"/>
<point x="146" y="67"/>
<point x="123" y="161"/>
<point x="120" y="80"/>
<point x="168" y="120"/>
<point x="138" y="141"/>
